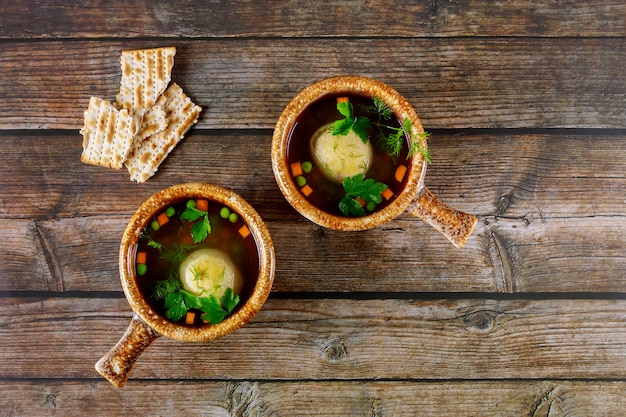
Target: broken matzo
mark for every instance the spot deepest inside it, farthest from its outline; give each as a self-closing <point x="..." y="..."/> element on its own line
<point x="107" y="134"/>
<point x="146" y="155"/>
<point x="153" y="121"/>
<point x="146" y="73"/>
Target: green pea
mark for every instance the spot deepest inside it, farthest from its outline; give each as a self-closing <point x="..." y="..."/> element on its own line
<point x="300" y="181"/>
<point x="142" y="269"/>
<point x="154" y="224"/>
<point x="224" y="212"/>
<point x="191" y="204"/>
<point x="307" y="166"/>
<point x="233" y="217"/>
<point x="371" y="206"/>
<point x="170" y="211"/>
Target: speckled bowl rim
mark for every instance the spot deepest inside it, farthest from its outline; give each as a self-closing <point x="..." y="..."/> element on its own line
<point x="348" y="84"/>
<point x="146" y="213"/>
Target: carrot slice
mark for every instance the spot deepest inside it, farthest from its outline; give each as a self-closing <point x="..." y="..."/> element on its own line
<point x="244" y="231"/>
<point x="190" y="317"/>
<point x="361" y="201"/>
<point x="387" y="194"/>
<point x="306" y="190"/>
<point x="296" y="169"/>
<point x="162" y="219"/>
<point x="342" y="99"/>
<point x="400" y="172"/>
<point x="202" y="205"/>
<point x="140" y="258"/>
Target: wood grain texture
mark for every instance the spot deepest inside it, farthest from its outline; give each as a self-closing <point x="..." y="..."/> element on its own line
<point x="550" y="221"/>
<point x="526" y="320"/>
<point x="336" y="339"/>
<point x="246" y="83"/>
<point x="198" y="19"/>
<point x="318" y="398"/>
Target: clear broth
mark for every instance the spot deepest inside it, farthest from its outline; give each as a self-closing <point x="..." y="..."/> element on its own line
<point x="224" y="236"/>
<point x="327" y="193"/>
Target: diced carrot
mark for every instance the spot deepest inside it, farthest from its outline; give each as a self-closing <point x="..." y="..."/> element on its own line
<point x="400" y="172"/>
<point x="140" y="258"/>
<point x="387" y="194"/>
<point x="306" y="190"/>
<point x="190" y="317"/>
<point x="202" y="205"/>
<point x="244" y="231"/>
<point x="361" y="201"/>
<point x="342" y="99"/>
<point x="162" y="219"/>
<point x="296" y="169"/>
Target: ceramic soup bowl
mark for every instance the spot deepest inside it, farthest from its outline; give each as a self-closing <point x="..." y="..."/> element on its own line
<point x="149" y="322"/>
<point x="410" y="195"/>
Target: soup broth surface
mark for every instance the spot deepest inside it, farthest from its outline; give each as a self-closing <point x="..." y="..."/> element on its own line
<point x="168" y="247"/>
<point x="322" y="191"/>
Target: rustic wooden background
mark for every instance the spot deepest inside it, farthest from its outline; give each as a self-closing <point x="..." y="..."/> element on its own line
<point x="526" y="103"/>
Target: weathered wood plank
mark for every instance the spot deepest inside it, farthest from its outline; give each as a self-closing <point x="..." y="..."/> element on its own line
<point x="522" y="177"/>
<point x="246" y="83"/>
<point x="312" y="19"/>
<point x="547" y="224"/>
<point x="308" y="398"/>
<point x="333" y="339"/>
<point x="506" y="256"/>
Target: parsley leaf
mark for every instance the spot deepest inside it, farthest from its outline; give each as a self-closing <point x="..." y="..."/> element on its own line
<point x="342" y="127"/>
<point x="230" y="299"/>
<point x="346" y="109"/>
<point x="192" y="214"/>
<point x="178" y="302"/>
<point x="212" y="308"/>
<point x="216" y="310"/>
<point x="351" y="207"/>
<point x="359" y="125"/>
<point x="175" y="307"/>
<point x="200" y="230"/>
<point x="365" y="189"/>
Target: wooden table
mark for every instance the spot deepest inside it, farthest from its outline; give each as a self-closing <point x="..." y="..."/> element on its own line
<point x="526" y="106"/>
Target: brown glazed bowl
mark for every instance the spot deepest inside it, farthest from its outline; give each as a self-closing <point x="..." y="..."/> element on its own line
<point x="146" y="325"/>
<point x="414" y="197"/>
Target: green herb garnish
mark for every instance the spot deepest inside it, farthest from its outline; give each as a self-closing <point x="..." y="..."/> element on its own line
<point x="165" y="287"/>
<point x="391" y="138"/>
<point x="201" y="229"/>
<point x="176" y="254"/>
<point x="359" y="125"/>
<point x="216" y="310"/>
<point x="367" y="190"/>
<point x="178" y="302"/>
<point x="417" y="147"/>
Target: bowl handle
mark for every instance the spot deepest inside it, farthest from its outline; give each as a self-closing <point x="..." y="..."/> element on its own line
<point x="115" y="366"/>
<point x="455" y="225"/>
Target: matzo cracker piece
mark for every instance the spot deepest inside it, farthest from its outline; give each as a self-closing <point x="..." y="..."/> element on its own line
<point x="147" y="155"/>
<point x="153" y="122"/>
<point x="146" y="73"/>
<point x="107" y="134"/>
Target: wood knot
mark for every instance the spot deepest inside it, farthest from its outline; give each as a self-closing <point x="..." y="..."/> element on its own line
<point x="244" y="399"/>
<point x="51" y="400"/>
<point x="481" y="321"/>
<point x="335" y="350"/>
